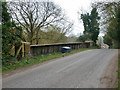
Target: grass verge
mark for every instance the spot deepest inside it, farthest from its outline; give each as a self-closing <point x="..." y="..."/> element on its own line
<point x="39" y="59"/>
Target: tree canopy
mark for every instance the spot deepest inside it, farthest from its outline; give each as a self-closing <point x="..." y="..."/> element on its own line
<point x="35" y="16"/>
<point x="11" y="33"/>
<point x="110" y="13"/>
<point x="91" y="25"/>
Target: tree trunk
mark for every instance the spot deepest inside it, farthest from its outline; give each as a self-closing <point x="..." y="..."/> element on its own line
<point x="37" y="39"/>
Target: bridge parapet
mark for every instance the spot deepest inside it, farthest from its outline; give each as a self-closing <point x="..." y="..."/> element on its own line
<point x="37" y="50"/>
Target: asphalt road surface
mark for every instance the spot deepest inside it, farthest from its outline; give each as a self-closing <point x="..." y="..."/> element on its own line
<point x="81" y="70"/>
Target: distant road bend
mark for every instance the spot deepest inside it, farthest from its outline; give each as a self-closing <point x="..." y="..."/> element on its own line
<point x="80" y="70"/>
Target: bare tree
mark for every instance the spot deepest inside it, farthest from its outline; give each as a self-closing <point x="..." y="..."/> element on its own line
<point x="33" y="16"/>
<point x="107" y="11"/>
<point x="61" y="30"/>
<point x="66" y="27"/>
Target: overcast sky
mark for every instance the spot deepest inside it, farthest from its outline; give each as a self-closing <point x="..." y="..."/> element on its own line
<point x="71" y="8"/>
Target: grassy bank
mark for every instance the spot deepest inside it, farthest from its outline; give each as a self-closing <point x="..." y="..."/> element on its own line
<point x="39" y="59"/>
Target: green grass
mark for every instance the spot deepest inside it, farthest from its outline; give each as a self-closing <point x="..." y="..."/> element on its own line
<point x="39" y="59"/>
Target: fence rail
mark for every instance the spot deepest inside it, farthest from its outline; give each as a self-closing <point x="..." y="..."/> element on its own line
<point x="37" y="50"/>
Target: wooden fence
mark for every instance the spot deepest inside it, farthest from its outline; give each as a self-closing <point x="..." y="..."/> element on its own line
<point x="37" y="50"/>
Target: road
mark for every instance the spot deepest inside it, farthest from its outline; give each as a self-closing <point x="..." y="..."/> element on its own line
<point x="80" y="70"/>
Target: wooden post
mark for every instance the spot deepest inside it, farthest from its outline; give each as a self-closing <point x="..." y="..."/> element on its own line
<point x="25" y="49"/>
<point x="18" y="51"/>
<point x="23" y="55"/>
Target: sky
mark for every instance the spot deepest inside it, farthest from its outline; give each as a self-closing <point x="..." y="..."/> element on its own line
<point x="71" y="8"/>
